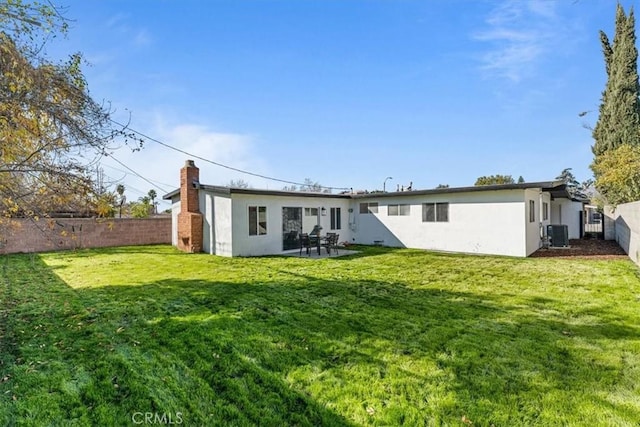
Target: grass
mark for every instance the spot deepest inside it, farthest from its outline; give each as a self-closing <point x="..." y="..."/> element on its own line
<point x="386" y="337"/>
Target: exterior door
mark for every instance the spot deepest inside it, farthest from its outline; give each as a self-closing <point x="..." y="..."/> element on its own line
<point x="291" y="228"/>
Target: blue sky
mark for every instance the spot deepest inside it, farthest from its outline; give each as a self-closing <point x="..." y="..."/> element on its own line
<point x="346" y="92"/>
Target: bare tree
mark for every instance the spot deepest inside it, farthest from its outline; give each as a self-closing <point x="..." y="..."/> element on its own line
<point x="238" y="183"/>
<point x="314" y="186"/>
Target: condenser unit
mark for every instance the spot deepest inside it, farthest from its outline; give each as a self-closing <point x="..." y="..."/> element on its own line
<point x="558" y="235"/>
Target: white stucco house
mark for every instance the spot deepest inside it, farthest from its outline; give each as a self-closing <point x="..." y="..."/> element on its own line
<point x="508" y="219"/>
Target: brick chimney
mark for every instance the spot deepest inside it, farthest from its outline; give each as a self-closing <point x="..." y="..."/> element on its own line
<point x="189" y="219"/>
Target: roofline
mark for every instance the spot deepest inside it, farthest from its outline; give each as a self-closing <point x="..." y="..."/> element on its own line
<point x="544" y="185"/>
<point x="229" y="190"/>
<point x="557" y="186"/>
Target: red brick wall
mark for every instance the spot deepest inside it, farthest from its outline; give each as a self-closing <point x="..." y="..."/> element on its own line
<point x="24" y="235"/>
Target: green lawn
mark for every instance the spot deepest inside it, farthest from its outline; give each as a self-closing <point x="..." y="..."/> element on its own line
<point x="385" y="337"/>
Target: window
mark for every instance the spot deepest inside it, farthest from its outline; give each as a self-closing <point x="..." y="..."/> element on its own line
<point x="442" y="212"/>
<point x="545" y="211"/>
<point x="257" y="220"/>
<point x="428" y="212"/>
<point x="435" y="212"/>
<point x="371" y="207"/>
<point x="395" y="210"/>
<point x="336" y="218"/>
<point x="532" y="211"/>
<point x="310" y="211"/>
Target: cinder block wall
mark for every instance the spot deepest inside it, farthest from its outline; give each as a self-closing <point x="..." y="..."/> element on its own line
<point x="627" y="226"/>
<point x="25" y="235"/>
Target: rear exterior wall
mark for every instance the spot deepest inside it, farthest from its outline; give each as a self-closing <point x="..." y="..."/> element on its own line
<point x="478" y="222"/>
<point x="272" y="242"/>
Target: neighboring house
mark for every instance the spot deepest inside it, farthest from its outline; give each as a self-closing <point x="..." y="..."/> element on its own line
<point x="507" y="219"/>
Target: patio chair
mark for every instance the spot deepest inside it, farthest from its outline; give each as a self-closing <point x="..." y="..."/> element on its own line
<point x="331" y="242"/>
<point x="335" y="245"/>
<point x="305" y="243"/>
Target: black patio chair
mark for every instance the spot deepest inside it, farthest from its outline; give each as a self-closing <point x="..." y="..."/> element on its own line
<point x="331" y="242"/>
<point x="335" y="246"/>
<point x="305" y="243"/>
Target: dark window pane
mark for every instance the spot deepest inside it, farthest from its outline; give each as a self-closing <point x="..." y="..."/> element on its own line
<point x="253" y="220"/>
<point x="335" y="218"/>
<point x="442" y="212"/>
<point x="262" y="220"/>
<point x="428" y="212"/>
<point x="532" y="211"/>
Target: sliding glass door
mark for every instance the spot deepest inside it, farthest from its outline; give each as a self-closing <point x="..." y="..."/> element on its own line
<point x="291" y="228"/>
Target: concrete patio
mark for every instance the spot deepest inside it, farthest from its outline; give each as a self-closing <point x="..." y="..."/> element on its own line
<point x="313" y="253"/>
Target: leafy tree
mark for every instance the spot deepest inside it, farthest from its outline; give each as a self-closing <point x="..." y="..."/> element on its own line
<point x="141" y="208"/>
<point x="51" y="130"/>
<point x="520" y="180"/>
<point x="574" y="187"/>
<point x="494" y="179"/>
<point x="104" y="205"/>
<point x="618" y="172"/>
<point x="618" y="123"/>
<point x="568" y="178"/>
<point x="442" y="186"/>
<point x="619" y="119"/>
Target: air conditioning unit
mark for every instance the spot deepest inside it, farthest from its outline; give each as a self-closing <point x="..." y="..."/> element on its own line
<point x="559" y="235"/>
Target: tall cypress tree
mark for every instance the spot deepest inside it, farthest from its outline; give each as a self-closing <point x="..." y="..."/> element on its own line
<point x="619" y="119"/>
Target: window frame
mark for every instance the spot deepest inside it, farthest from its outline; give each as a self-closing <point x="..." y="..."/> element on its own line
<point x="368" y="208"/>
<point x="545" y="211"/>
<point x="435" y="212"/>
<point x="336" y="218"/>
<point x="446" y="212"/>
<point x="400" y="209"/>
<point x="257" y="218"/>
<point x="310" y="211"/>
<point x="532" y="211"/>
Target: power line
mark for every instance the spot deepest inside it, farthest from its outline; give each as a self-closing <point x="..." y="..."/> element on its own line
<point x="138" y="175"/>
<point x="127" y="173"/>
<point x="128" y="187"/>
<point x="221" y="164"/>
